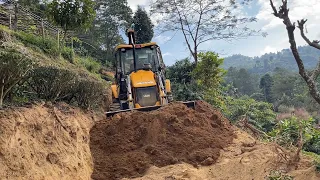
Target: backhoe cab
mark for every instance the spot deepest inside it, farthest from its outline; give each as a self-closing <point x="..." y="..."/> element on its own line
<point x="140" y="82"/>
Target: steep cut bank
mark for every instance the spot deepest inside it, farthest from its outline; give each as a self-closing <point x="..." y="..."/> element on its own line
<point x="45" y="142"/>
<point x="129" y="143"/>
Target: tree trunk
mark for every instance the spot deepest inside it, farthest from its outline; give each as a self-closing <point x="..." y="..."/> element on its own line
<point x="195" y="55"/>
<point x="2" y="93"/>
<point x="309" y="79"/>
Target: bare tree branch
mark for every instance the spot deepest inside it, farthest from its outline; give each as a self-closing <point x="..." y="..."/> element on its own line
<point x="182" y="29"/>
<point x="283" y="14"/>
<point x="315" y="43"/>
<point x="202" y="20"/>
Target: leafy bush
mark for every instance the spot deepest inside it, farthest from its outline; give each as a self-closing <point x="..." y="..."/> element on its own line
<point x="89" y="92"/>
<point x="90" y="64"/>
<point x="68" y="54"/>
<point x="313" y="144"/>
<point x="53" y="83"/>
<point x="260" y="114"/>
<point x="57" y="84"/>
<point x="14" y="66"/>
<point x="286" y="133"/>
<point x="47" y="44"/>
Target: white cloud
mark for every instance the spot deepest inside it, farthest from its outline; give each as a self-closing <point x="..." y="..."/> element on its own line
<point x="298" y="9"/>
<point x="166" y="54"/>
<point x="268" y="49"/>
<point x="134" y="4"/>
<point x="161" y="39"/>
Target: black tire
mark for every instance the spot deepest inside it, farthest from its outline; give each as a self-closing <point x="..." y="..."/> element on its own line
<point x="115" y="106"/>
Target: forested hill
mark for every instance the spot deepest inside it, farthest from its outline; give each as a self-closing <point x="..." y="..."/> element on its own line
<point x="268" y="62"/>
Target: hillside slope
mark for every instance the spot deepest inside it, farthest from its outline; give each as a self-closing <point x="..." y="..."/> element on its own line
<point x="269" y="61"/>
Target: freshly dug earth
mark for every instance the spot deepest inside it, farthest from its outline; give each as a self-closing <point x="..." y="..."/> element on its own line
<point x="45" y="142"/>
<point x="244" y="159"/>
<point x="129" y="143"/>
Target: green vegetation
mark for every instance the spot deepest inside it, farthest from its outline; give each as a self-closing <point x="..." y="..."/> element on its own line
<point x="142" y="26"/>
<point x="90" y="64"/>
<point x="14" y="67"/>
<point x="275" y="104"/>
<point x="32" y="70"/>
<point x="259" y="113"/>
<point x="48" y="45"/>
<point x="71" y="14"/>
<point x="268" y="62"/>
<point x="209" y="75"/>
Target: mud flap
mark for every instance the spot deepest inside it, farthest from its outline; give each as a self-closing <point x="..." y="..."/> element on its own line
<point x="189" y="104"/>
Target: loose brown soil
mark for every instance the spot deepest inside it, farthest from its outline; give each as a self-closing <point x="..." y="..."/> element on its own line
<point x="45" y="142"/>
<point x="245" y="159"/>
<point x="129" y="143"/>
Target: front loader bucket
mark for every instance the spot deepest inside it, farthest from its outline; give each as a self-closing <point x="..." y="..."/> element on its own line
<point x="148" y="108"/>
<point x="189" y="104"/>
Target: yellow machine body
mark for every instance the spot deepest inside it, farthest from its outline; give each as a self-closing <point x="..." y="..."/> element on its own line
<point x="140" y="82"/>
<point x="142" y="78"/>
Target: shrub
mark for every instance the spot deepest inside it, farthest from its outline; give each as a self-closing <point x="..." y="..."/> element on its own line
<point x="68" y="54"/>
<point x="53" y="83"/>
<point x="47" y="44"/>
<point x="89" y="93"/>
<point x="14" y="66"/>
<point x="260" y="114"/>
<point x="286" y="133"/>
<point x="90" y="64"/>
<point x="56" y="84"/>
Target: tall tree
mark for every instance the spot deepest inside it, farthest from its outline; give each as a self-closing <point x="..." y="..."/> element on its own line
<point x="209" y="75"/>
<point x="35" y="6"/>
<point x="71" y="14"/>
<point x="310" y="78"/>
<point x="142" y="26"/>
<point x="112" y="17"/>
<point x="203" y="20"/>
<point x="242" y="80"/>
<point x="266" y="83"/>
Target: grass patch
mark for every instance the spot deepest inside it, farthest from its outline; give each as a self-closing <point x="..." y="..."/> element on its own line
<point x="47" y="44"/>
<point x="90" y="64"/>
<point x="68" y="54"/>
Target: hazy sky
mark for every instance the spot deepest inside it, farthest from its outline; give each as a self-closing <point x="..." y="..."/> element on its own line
<point x="174" y="48"/>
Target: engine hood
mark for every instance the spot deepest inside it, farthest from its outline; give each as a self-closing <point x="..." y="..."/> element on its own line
<point x="142" y="78"/>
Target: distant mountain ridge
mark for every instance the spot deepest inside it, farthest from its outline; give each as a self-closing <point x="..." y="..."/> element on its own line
<point x="269" y="61"/>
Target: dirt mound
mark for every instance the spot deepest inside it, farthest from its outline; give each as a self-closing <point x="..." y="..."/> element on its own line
<point x="244" y="159"/>
<point x="129" y="143"/>
<point x="45" y="142"/>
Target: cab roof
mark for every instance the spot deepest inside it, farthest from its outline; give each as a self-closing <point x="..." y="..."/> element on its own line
<point x="130" y="46"/>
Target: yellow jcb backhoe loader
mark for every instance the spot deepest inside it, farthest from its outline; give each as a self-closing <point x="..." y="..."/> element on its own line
<point x="140" y="82"/>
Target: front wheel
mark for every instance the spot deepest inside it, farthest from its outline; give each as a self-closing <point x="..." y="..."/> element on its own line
<point x="115" y="106"/>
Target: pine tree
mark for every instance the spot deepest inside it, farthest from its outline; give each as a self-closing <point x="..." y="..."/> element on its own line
<point x="143" y="26"/>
